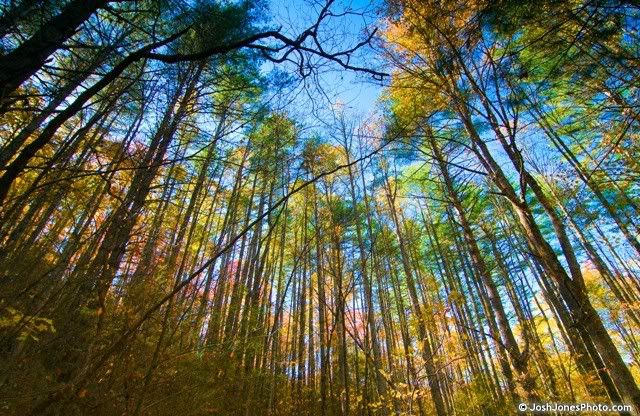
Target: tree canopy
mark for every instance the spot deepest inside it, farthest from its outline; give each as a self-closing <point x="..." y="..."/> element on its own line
<point x="193" y="221"/>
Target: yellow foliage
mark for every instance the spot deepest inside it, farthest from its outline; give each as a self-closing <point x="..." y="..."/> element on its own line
<point x="29" y="326"/>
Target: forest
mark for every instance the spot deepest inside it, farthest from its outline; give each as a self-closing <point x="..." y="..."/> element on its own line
<point x="319" y="207"/>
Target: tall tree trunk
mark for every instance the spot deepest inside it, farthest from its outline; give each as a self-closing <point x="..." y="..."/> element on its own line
<point x="21" y="63"/>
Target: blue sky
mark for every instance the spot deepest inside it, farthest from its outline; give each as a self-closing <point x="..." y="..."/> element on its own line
<point x="357" y="91"/>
